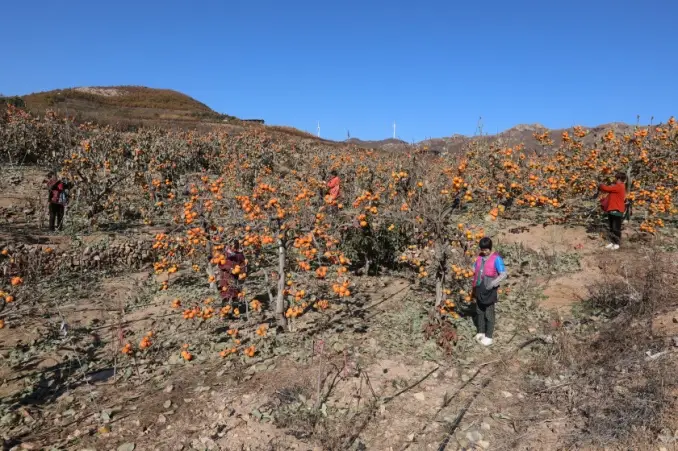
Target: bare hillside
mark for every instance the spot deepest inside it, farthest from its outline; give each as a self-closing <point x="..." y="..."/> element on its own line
<point x="125" y="105"/>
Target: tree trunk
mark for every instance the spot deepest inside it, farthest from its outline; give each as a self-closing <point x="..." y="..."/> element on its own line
<point x="629" y="179"/>
<point x="440" y="281"/>
<point x="212" y="269"/>
<point x="365" y="270"/>
<point x="280" y="295"/>
<point x="441" y="271"/>
<point x="211" y="273"/>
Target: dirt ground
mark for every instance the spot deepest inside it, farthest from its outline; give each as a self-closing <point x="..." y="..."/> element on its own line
<point x="359" y="377"/>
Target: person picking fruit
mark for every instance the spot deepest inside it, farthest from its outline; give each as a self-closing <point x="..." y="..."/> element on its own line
<point x="614" y="204"/>
<point x="230" y="269"/>
<point x="334" y="186"/>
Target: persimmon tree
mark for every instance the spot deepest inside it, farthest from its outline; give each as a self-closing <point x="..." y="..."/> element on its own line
<point x="414" y="209"/>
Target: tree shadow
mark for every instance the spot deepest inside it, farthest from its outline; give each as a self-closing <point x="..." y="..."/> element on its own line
<point x="596" y="226"/>
<point x="356" y="316"/>
<point x="122" y="226"/>
<point x="49" y="383"/>
<point x="25" y="233"/>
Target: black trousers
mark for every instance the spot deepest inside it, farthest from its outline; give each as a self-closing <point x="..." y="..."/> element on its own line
<point x="56" y="216"/>
<point x="484" y="319"/>
<point x="615" y="227"/>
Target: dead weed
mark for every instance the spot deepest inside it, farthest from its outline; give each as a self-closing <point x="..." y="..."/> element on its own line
<point x="615" y="380"/>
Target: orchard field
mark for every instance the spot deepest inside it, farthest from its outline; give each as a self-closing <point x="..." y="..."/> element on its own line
<point x="351" y="328"/>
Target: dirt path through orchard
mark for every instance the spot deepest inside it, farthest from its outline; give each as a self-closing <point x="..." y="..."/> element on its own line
<point x="561" y="291"/>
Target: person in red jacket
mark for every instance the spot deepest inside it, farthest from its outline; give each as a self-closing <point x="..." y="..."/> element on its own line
<point x="614" y="206"/>
<point x="334" y="186"/>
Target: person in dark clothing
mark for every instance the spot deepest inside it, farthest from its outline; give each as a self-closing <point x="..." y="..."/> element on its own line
<point x="57" y="197"/>
<point x="228" y="280"/>
<point x="615" y="223"/>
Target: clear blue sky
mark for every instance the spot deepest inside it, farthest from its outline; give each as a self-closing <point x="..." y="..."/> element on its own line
<point x="432" y="66"/>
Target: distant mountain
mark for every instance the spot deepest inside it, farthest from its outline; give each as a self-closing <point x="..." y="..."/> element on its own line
<point x="522" y="133"/>
<point x="386" y="144"/>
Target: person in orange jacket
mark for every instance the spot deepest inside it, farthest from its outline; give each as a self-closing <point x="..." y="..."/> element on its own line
<point x="614" y="204"/>
<point x="334" y="186"/>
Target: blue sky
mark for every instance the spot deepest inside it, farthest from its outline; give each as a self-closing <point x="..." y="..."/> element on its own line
<point x="434" y="67"/>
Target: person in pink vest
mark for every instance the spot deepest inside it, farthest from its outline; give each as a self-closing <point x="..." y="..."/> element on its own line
<point x="489" y="272"/>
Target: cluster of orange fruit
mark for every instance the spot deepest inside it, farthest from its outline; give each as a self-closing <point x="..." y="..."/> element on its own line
<point x="448" y="309"/>
<point x="399" y="175"/>
<point x="362" y="220"/>
<point x="252" y="211"/>
<point x="197" y="236"/>
<point x="252" y="239"/>
<point x="160" y="266"/>
<point x="304" y="242"/>
<point x="469" y="233"/>
<point x="294" y="311"/>
<point x="226" y="352"/>
<point x="298" y="294"/>
<point x="579" y="131"/>
<point x="461" y="273"/>
<point x="218" y="259"/>
<point x="161" y="241"/>
<point x="366" y="196"/>
<point x="543" y="138"/>
<point x="146" y="341"/>
<point x="237" y="271"/>
<point x="304" y="194"/>
<point x="196" y="312"/>
<point x="533" y="201"/>
<point x="321" y="304"/>
<point x="8" y="297"/>
<point x="192" y="313"/>
<point x="185" y="353"/>
<point x="189" y="214"/>
<point x="262" y="330"/>
<point x="341" y="289"/>
<point x="321" y="272"/>
<point x="216" y="187"/>
<point x="650" y="226"/>
<point x="228" y="310"/>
